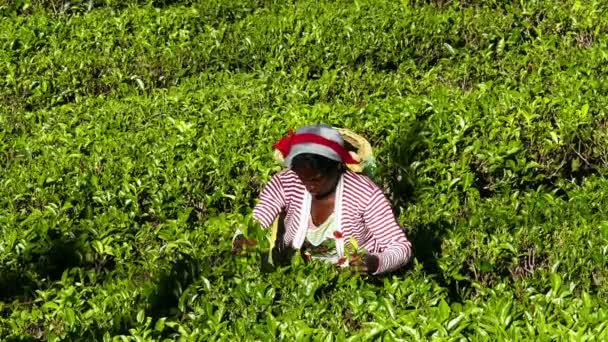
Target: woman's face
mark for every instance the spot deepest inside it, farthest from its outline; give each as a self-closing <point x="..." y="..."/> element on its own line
<point x="318" y="184"/>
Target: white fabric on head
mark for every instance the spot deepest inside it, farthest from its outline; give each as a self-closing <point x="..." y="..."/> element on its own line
<point x="324" y="131"/>
<point x="313" y="149"/>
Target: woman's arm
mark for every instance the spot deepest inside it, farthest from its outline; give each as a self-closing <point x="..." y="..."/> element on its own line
<point x="271" y="202"/>
<point x="395" y="248"/>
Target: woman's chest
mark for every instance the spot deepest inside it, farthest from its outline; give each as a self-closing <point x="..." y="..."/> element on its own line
<point x="321" y="210"/>
<point x="350" y="216"/>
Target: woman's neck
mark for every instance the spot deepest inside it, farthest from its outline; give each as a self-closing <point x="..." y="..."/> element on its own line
<point x="330" y="193"/>
<point x="325" y="197"/>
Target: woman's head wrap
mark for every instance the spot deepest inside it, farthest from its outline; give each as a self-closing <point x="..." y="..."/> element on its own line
<point x="321" y="140"/>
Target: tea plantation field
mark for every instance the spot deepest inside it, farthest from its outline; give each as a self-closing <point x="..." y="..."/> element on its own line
<point x="136" y="135"/>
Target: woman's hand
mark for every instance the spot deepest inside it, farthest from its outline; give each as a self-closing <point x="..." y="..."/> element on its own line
<point x="241" y="245"/>
<point x="366" y="265"/>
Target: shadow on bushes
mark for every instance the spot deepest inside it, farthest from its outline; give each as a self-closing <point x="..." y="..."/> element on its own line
<point x="21" y="339"/>
<point x="163" y="302"/>
<point x="171" y="285"/>
<point x="395" y="173"/>
<point x="400" y="183"/>
<point x="15" y="284"/>
<point x="45" y="261"/>
<point x="427" y="241"/>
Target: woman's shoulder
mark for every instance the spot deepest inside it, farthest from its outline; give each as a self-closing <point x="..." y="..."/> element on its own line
<point x="285" y="174"/>
<point x="361" y="183"/>
<point x="287" y="178"/>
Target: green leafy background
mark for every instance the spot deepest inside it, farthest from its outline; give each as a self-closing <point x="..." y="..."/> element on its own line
<point x="136" y="135"/>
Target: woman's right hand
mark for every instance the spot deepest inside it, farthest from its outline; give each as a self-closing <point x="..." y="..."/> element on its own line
<point x="241" y="245"/>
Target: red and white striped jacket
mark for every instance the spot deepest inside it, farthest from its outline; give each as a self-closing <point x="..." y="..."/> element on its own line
<point x="366" y="215"/>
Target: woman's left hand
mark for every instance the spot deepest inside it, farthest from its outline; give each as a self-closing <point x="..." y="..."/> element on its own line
<point x="366" y="265"/>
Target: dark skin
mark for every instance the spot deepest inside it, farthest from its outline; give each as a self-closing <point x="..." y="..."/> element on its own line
<point x="323" y="191"/>
<point x="322" y="187"/>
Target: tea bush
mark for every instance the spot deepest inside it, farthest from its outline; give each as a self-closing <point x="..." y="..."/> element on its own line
<point x="135" y="137"/>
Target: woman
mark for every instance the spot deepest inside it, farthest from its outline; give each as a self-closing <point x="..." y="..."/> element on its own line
<point x="328" y="212"/>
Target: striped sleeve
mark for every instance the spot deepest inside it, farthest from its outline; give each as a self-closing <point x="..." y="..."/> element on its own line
<point x="271" y="202"/>
<point x="395" y="249"/>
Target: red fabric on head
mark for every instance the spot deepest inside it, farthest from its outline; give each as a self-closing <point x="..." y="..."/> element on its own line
<point x="284" y="145"/>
